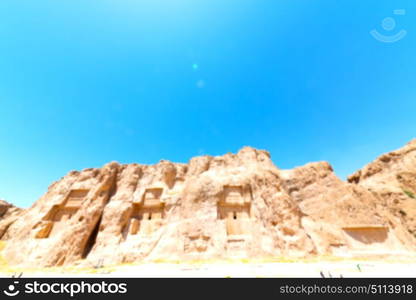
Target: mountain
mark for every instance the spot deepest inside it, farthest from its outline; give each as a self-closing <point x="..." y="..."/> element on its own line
<point x="231" y="206"/>
<point x="392" y="177"/>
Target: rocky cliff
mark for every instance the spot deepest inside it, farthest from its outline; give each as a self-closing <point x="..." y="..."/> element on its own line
<point x="236" y="205"/>
<point x="8" y="214"/>
<point x="392" y="177"/>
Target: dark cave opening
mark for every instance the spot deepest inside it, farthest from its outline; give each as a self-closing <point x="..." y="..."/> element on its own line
<point x="91" y="239"/>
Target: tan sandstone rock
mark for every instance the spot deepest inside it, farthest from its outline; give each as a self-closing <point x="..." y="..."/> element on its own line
<point x="8" y="214"/>
<point x="232" y="206"/>
<point x="392" y="177"/>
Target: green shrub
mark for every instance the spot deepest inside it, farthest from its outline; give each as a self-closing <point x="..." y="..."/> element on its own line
<point x="410" y="194"/>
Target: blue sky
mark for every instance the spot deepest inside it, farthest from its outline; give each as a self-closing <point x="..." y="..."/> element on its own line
<point x="83" y="83"/>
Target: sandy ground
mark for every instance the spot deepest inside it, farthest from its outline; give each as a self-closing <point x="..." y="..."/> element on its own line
<point x="346" y="268"/>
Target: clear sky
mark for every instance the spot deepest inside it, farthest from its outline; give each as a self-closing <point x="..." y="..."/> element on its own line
<point x="86" y="82"/>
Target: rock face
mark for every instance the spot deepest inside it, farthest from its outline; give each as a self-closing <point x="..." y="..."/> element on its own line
<point x="392" y="177"/>
<point x="8" y="214"/>
<point x="236" y="205"/>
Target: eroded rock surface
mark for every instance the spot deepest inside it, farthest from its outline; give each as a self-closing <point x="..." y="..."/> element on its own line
<point x="236" y="205"/>
<point x="392" y="177"/>
<point x="8" y="214"/>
